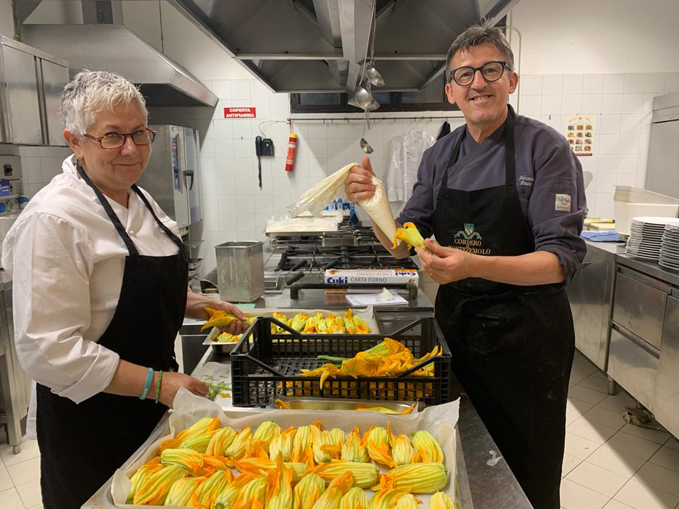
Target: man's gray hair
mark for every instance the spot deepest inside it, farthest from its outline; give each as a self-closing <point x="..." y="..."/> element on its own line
<point x="483" y="33"/>
<point x="91" y="91"/>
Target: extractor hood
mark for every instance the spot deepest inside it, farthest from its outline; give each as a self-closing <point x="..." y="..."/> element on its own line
<point x="114" y="48"/>
<point x="320" y="45"/>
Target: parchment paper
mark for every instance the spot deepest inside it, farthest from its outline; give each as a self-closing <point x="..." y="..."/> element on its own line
<point x="439" y="420"/>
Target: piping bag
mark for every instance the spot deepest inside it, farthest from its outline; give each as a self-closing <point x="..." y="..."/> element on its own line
<point x="329" y="189"/>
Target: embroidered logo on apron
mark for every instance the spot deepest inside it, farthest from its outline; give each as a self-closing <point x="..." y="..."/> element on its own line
<point x="562" y="203"/>
<point x="470" y="240"/>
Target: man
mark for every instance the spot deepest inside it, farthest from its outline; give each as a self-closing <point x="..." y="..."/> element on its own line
<point x="504" y="194"/>
<point x="100" y="291"/>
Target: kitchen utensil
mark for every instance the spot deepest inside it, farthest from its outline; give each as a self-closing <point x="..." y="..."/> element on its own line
<point x="240" y="271"/>
<point x="374" y="76"/>
<point x="365" y="146"/>
<point x="363" y="97"/>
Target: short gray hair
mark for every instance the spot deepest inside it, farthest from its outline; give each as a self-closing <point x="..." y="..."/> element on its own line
<point x="483" y="33"/>
<point x="89" y="92"/>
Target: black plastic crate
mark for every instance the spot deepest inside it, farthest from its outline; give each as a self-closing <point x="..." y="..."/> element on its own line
<point x="265" y="366"/>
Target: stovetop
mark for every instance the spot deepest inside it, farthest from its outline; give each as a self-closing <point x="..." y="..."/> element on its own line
<point x="321" y="258"/>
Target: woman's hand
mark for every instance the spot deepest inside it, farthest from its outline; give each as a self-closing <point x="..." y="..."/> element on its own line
<point x="357" y="185"/>
<point x="235" y="327"/>
<point x="173" y="381"/>
<point x="195" y="308"/>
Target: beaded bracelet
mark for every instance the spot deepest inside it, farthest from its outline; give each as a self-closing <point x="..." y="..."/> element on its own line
<point x="147" y="386"/>
<point x="160" y="380"/>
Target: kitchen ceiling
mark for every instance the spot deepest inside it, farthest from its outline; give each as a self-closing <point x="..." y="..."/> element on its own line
<point x="320" y="45"/>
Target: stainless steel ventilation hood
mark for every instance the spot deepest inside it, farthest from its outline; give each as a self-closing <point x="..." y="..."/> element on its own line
<point x="114" y="48"/>
<point x="319" y="45"/>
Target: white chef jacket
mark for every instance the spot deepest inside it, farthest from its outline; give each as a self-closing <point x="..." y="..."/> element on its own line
<point x="405" y="155"/>
<point x="67" y="261"/>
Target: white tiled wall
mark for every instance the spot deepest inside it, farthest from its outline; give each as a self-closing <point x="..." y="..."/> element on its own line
<point x="39" y="165"/>
<point x="621" y="105"/>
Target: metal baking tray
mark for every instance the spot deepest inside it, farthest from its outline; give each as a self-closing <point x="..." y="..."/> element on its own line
<point x="347" y="404"/>
<point x="211" y="340"/>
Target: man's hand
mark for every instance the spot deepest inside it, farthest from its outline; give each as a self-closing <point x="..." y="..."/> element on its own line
<point x="357" y="185"/>
<point x="445" y="264"/>
<point x="172" y="382"/>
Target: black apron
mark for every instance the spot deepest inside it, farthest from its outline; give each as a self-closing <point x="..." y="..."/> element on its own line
<point x="512" y="346"/>
<point x="82" y="444"/>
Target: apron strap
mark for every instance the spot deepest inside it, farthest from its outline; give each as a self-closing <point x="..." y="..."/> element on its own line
<point x="131" y="248"/>
<point x="162" y="226"/>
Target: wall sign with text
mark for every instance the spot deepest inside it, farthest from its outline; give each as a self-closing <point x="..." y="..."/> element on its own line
<point x="580" y="134"/>
<point x="243" y="112"/>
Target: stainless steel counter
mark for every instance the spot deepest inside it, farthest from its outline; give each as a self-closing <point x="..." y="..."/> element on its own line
<point x="649" y="268"/>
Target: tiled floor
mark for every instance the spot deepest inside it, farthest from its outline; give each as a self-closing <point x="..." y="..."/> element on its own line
<point x="608" y="463"/>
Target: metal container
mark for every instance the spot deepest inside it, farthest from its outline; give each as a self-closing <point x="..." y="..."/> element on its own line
<point x="240" y="271"/>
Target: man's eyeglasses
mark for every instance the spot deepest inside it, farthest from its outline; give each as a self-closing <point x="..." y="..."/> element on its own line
<point x="117" y="140"/>
<point x="464" y="76"/>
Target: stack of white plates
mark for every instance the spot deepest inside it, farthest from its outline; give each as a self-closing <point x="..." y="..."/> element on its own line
<point x="645" y="238"/>
<point x="669" y="251"/>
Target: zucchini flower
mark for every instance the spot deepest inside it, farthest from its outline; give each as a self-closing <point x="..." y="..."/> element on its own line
<point x="155" y="489"/>
<point x="354" y="448"/>
<point x="211" y="464"/>
<point x="189" y="460"/>
<point x="199" y="442"/>
<point x="283" y="444"/>
<point x="141" y="475"/>
<point x="365" y="474"/>
<point x="299" y="321"/>
<point x="204" y="425"/>
<point x="361" y="326"/>
<point x="310" y="327"/>
<point x="219" y="318"/>
<point x="321" y="323"/>
<point x="349" y="324"/>
<point x="440" y="500"/>
<point x="416" y="477"/>
<point x="302" y="451"/>
<point x="354" y="499"/>
<point x="207" y="492"/>
<point x="308" y="491"/>
<point x="279" y="487"/>
<point x="387" y="497"/>
<point x="401" y="449"/>
<point x="378" y="446"/>
<point x="220" y="441"/>
<point x="320" y="440"/>
<point x="262" y="466"/>
<point x="253" y="495"/>
<point x="239" y="445"/>
<point x="227" y="498"/>
<point x="427" y="449"/>
<point x="265" y="434"/>
<point x="331" y="498"/>
<point x="181" y="492"/>
<point x="407" y="502"/>
<point x="410" y="235"/>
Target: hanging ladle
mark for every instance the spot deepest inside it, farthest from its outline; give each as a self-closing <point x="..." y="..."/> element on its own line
<point x="371" y="73"/>
<point x="365" y="146"/>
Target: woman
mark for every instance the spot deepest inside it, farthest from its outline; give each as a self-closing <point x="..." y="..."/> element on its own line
<point x="100" y="290"/>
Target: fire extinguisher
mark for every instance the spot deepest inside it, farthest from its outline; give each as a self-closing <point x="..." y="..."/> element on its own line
<point x="292" y="149"/>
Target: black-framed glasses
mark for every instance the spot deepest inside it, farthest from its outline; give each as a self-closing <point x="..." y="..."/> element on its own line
<point x="491" y="71"/>
<point x="117" y="140"/>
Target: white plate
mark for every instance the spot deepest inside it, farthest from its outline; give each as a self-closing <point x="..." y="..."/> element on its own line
<point x="654" y="220"/>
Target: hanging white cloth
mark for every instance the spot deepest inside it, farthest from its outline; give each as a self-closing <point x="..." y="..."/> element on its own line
<point x="405" y="155"/>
